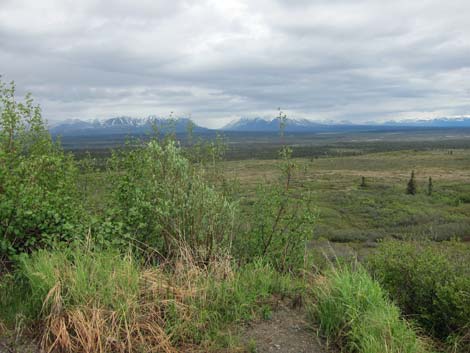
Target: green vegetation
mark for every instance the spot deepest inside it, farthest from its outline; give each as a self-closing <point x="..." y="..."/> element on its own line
<point x="150" y="267"/>
<point x="411" y="188"/>
<point x="353" y="311"/>
<point x="159" y="200"/>
<point x="350" y="213"/>
<point x="92" y="300"/>
<point x="363" y="182"/>
<point x="164" y="247"/>
<point x="430" y="186"/>
<point x="279" y="222"/>
<point x="39" y="202"/>
<point x="431" y="282"/>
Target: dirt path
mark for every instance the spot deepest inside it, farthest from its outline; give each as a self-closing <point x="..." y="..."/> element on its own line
<point x="286" y="332"/>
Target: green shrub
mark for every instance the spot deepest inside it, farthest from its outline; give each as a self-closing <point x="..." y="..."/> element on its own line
<point x="279" y="223"/>
<point x="39" y="203"/>
<point x="162" y="203"/>
<point x="277" y="229"/>
<point x="429" y="281"/>
<point x="352" y="310"/>
<point x="463" y="199"/>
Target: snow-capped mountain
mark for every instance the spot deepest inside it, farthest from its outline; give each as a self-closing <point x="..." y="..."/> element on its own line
<point x="134" y="126"/>
<point x="122" y="125"/>
<point x="304" y="125"/>
<point x="260" y="124"/>
<point x="437" y="122"/>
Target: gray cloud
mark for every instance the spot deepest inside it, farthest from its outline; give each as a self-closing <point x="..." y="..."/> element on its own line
<point x="353" y="60"/>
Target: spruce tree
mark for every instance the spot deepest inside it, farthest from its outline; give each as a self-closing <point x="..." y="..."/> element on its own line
<point x="411" y="188"/>
<point x="363" y="182"/>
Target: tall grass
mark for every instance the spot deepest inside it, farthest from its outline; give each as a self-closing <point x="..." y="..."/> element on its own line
<point x="101" y="279"/>
<point x="85" y="300"/>
<point x="352" y="311"/>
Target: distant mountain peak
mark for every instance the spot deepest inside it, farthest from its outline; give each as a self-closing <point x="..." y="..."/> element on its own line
<point x="121" y="125"/>
<point x="305" y="125"/>
<point x="460" y="121"/>
<point x="263" y="124"/>
<point x="129" y="125"/>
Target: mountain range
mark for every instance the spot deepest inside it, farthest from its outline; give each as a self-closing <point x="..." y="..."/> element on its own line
<point x="305" y="125"/>
<point x="261" y="125"/>
<point x="127" y="125"/>
<point x="123" y="125"/>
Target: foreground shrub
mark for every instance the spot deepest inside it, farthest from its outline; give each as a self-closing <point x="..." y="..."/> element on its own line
<point x="352" y="310"/>
<point x="39" y="201"/>
<point x="83" y="300"/>
<point x="430" y="281"/>
<point x="277" y="229"/>
<point x="163" y="203"/>
<point x="280" y="222"/>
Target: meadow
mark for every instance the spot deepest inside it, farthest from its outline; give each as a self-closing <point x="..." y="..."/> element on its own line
<point x="349" y="212"/>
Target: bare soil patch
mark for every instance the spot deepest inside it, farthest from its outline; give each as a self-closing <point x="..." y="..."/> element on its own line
<point x="287" y="331"/>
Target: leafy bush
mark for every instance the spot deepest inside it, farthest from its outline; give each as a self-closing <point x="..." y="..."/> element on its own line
<point x="164" y="204"/>
<point x="39" y="202"/>
<point x="430" y="281"/>
<point x="280" y="222"/>
<point x="352" y="309"/>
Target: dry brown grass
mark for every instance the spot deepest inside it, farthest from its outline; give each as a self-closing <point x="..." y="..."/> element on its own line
<point x="98" y="329"/>
<point x="142" y="325"/>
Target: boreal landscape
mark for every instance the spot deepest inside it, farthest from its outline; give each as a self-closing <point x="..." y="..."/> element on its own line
<point x="354" y="241"/>
<point x="236" y="176"/>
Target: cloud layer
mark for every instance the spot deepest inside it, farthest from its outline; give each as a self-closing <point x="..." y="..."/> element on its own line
<point x="357" y="60"/>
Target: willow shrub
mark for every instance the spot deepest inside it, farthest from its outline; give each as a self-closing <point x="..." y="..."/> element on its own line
<point x="430" y="282"/>
<point x="162" y="203"/>
<point x="280" y="222"/>
<point x="39" y="203"/>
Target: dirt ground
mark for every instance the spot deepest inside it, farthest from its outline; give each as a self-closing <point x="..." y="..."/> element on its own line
<point x="287" y="331"/>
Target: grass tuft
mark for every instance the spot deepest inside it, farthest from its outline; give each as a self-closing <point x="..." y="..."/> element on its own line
<point x="353" y="312"/>
<point x="84" y="300"/>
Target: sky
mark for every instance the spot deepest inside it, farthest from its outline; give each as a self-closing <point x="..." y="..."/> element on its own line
<point x="217" y="60"/>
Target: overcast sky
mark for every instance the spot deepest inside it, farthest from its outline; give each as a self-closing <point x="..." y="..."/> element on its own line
<point x="357" y="60"/>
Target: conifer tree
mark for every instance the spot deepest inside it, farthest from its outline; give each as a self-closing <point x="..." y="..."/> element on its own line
<point x="411" y="187"/>
<point x="430" y="186"/>
<point x="363" y="182"/>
